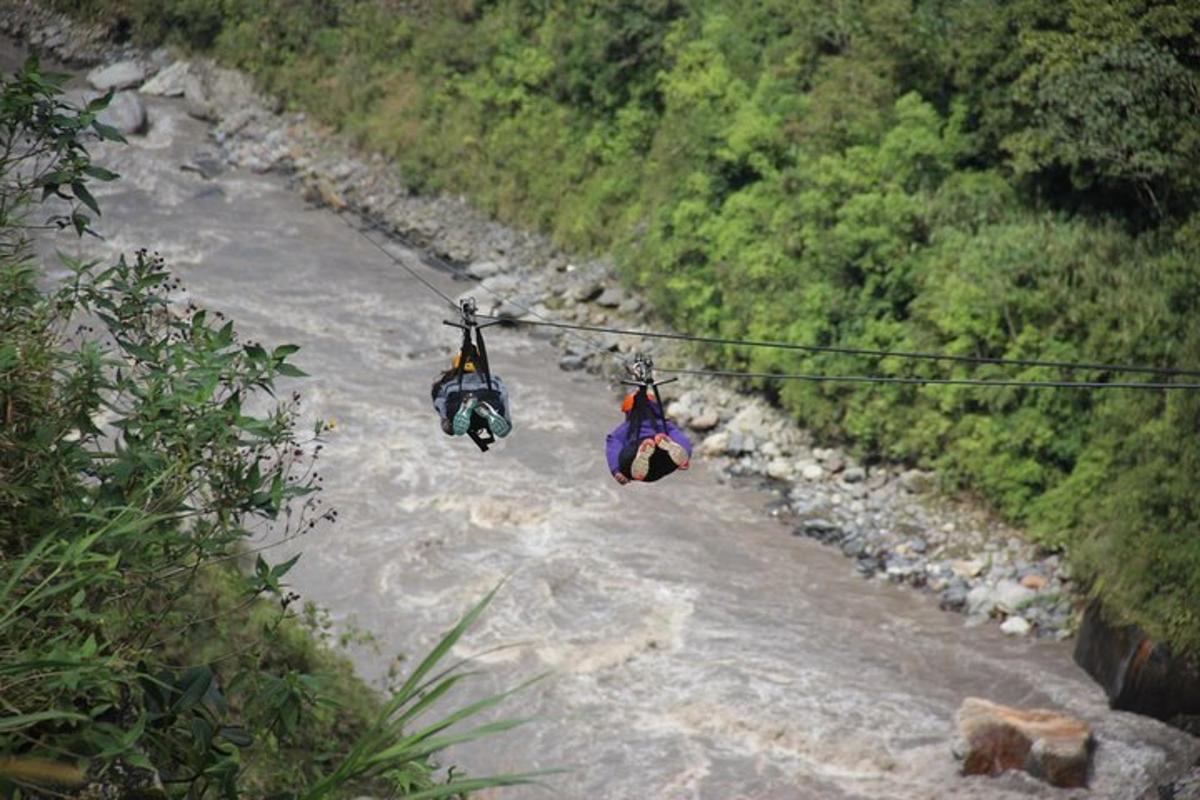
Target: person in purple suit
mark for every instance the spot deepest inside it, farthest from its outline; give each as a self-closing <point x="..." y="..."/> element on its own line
<point x="646" y="446"/>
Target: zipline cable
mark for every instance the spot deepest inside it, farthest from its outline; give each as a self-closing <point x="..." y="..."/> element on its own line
<point x="541" y="320"/>
<point x="785" y="376"/>
<point x="459" y="272"/>
<point x="429" y="284"/>
<point x="860" y="351"/>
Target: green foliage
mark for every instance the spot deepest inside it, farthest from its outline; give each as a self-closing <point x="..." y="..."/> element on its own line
<point x="1013" y="180"/>
<point x="141" y="441"/>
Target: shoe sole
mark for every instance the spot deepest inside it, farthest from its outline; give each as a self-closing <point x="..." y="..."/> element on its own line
<point x="675" y="450"/>
<point x="462" y="417"/>
<point x="499" y="426"/>
<point x="641" y="462"/>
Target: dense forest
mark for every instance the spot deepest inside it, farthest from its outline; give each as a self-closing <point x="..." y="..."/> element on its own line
<point x="1011" y="180"/>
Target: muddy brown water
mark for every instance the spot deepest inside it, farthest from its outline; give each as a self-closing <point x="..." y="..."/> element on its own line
<point x="691" y="647"/>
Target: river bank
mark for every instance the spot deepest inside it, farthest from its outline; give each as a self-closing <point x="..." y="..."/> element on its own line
<point x="681" y="627"/>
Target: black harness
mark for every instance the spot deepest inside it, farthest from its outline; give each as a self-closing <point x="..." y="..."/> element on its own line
<point x="474" y="351"/>
<point x="644" y="410"/>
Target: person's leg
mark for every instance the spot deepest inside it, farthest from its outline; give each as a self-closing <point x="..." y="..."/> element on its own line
<point x="625" y="461"/>
<point x="660" y="466"/>
<point x="673" y="449"/>
<point x="462" y="417"/>
<point x="641" y="459"/>
<point x="498" y="425"/>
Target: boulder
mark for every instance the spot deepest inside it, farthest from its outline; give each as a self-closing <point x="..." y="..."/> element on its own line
<point x="705" y="421"/>
<point x="126" y="112"/>
<point x="216" y="91"/>
<point x="715" y="444"/>
<point x="484" y="269"/>
<point x="953" y="597"/>
<point x="121" y="75"/>
<point x="630" y="305"/>
<point x="780" y="469"/>
<point x="170" y="82"/>
<point x="1053" y="747"/>
<point x="915" y="481"/>
<point x="854" y="474"/>
<point x="1016" y="626"/>
<point x="821" y="529"/>
<point x="573" y="362"/>
<point x="611" y="297"/>
<point x="751" y="421"/>
<point x="1006" y="596"/>
<point x="967" y="568"/>
<point x="584" y="292"/>
<point x="812" y="471"/>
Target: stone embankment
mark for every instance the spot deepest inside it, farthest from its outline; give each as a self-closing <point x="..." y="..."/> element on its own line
<point x="890" y="519"/>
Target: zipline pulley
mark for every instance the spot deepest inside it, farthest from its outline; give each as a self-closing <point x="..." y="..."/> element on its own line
<point x="642" y="370"/>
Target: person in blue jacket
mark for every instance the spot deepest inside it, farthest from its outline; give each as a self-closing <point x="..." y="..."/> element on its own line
<point x="463" y="392"/>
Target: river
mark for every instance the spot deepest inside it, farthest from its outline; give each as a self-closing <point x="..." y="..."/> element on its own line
<point x="691" y="647"/>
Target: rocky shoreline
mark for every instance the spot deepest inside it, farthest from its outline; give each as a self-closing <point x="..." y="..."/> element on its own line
<point x="890" y="519"/>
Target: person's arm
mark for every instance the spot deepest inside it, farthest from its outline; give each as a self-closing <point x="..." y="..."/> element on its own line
<point x="612" y="450"/>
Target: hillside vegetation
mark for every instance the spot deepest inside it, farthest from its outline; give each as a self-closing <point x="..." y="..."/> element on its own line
<point x="1013" y="180"/>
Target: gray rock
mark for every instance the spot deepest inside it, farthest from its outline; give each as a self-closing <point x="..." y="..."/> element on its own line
<point x="170" y="82"/>
<point x="1016" y="626"/>
<point x="630" y="305"/>
<point x="206" y="167"/>
<point x="715" y="444"/>
<point x="877" y="479"/>
<point x="122" y="75"/>
<point x="741" y="443"/>
<point x="823" y="530"/>
<point x="812" y="471"/>
<point x="484" y="269"/>
<point x="967" y="568"/>
<point x="584" y="292"/>
<point x="705" y="421"/>
<point x="854" y="547"/>
<point x="900" y="569"/>
<point x="918" y="545"/>
<point x="501" y="284"/>
<point x="1006" y="596"/>
<point x="573" y="362"/>
<point x="954" y="598"/>
<point x="611" y="297"/>
<point x="854" y="474"/>
<point x="126" y="112"/>
<point x="1012" y="596"/>
<point x="779" y="468"/>
<point x="915" y="481"/>
<point x="867" y="566"/>
<point x="217" y="91"/>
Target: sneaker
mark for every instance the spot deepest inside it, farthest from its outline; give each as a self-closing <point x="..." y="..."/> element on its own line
<point x="462" y="417"/>
<point x="641" y="462"/>
<point x="673" y="449"/>
<point x="495" y="420"/>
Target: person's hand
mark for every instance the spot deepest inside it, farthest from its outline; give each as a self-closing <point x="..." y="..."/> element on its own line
<point x="620" y="477"/>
